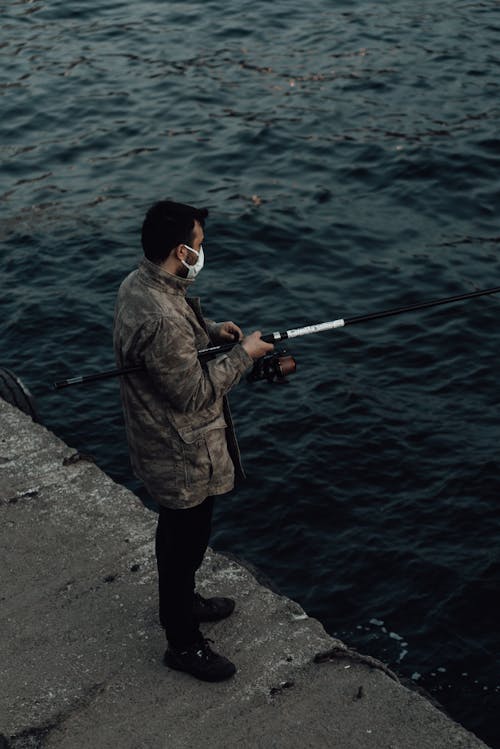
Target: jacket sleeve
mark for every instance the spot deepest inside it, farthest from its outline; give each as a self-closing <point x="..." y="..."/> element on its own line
<point x="171" y="360"/>
<point x="213" y="330"/>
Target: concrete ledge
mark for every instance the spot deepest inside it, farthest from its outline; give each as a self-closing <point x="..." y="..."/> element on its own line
<point x="80" y="651"/>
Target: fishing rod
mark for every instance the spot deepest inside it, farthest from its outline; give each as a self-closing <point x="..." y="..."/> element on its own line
<point x="275" y="366"/>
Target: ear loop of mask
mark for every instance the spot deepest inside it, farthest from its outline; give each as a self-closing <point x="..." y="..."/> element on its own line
<point x="193" y="270"/>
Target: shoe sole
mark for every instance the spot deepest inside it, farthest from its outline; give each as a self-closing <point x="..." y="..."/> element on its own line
<point x="199" y="675"/>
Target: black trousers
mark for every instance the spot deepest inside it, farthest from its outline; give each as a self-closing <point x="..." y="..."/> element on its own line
<point x="181" y="541"/>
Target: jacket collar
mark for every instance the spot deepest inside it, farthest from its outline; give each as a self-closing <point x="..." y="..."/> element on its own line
<point x="154" y="276"/>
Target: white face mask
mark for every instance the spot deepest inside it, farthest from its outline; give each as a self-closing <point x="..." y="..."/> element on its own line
<point x="193" y="270"/>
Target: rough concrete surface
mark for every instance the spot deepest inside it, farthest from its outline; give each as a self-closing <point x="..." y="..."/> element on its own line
<point x="80" y="649"/>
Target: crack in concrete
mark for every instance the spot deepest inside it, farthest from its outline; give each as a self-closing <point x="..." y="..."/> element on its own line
<point x="351" y="655"/>
<point x="35" y="737"/>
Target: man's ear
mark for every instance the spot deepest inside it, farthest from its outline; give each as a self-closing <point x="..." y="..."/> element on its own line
<point x="179" y="252"/>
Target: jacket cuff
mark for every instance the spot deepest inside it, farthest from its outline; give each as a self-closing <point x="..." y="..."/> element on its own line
<point x="240" y="357"/>
<point x="213" y="328"/>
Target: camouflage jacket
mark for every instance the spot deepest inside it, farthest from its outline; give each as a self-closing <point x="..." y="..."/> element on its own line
<point x="179" y="430"/>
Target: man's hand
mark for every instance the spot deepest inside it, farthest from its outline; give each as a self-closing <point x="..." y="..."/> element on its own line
<point x="228" y="332"/>
<point x="255" y="346"/>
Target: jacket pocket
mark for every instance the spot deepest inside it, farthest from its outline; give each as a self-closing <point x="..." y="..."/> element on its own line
<point x="190" y="434"/>
<point x="201" y="446"/>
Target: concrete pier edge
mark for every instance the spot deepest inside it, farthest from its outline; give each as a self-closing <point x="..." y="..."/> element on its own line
<point x="81" y="648"/>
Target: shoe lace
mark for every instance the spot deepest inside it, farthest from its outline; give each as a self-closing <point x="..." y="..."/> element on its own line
<point x="204" y="650"/>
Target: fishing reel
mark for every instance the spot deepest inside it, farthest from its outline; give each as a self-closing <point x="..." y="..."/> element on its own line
<point x="273" y="367"/>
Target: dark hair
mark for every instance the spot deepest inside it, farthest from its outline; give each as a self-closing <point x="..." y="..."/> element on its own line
<point x="166" y="225"/>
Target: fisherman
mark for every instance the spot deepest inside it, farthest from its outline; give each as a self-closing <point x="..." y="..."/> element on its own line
<point x="181" y="439"/>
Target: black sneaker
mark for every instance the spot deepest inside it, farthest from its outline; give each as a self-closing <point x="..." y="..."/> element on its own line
<point x="200" y="661"/>
<point x="212" y="609"/>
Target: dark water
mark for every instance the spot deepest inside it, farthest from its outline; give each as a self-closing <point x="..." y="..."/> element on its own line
<point x="349" y="154"/>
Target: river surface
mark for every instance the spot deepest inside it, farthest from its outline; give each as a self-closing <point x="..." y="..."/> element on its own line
<point x="349" y="154"/>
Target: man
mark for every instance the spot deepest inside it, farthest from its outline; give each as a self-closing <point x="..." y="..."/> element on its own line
<point x="181" y="439"/>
